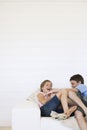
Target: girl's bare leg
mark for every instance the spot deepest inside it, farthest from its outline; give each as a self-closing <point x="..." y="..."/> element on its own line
<point x="71" y="102"/>
<point x="64" y="101"/>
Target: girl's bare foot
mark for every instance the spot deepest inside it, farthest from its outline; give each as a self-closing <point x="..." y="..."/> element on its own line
<point x="70" y="111"/>
<point x="58" y="116"/>
<point x="63" y="116"/>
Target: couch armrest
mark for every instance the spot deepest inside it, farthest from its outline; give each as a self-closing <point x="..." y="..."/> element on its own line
<point x="26" y="116"/>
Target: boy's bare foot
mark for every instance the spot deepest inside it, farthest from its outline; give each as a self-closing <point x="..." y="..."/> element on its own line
<point x="70" y="111"/>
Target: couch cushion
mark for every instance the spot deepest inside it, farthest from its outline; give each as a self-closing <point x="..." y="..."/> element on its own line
<point x="69" y="124"/>
<point x="33" y="96"/>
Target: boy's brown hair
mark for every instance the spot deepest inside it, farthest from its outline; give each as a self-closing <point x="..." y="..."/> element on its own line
<point x="77" y="78"/>
<point x="43" y="83"/>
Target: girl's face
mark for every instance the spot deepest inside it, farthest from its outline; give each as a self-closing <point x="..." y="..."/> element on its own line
<point x="47" y="87"/>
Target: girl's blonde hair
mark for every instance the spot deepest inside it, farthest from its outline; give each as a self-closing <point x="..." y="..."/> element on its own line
<point x="43" y="83"/>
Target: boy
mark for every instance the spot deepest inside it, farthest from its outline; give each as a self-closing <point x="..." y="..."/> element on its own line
<point x="77" y="83"/>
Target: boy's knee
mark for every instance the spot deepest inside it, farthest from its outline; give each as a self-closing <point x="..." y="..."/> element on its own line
<point x="78" y="114"/>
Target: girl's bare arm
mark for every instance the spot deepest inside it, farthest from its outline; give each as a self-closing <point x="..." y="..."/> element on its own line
<point x="55" y="90"/>
<point x="42" y="99"/>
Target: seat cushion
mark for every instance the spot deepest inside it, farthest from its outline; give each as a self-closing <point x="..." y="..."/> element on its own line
<point x="69" y="124"/>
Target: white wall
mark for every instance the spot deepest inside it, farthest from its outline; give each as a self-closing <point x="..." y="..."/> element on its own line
<point x="39" y="41"/>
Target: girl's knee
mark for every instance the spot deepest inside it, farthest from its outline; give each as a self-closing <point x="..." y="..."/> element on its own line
<point x="59" y="94"/>
<point x="64" y="91"/>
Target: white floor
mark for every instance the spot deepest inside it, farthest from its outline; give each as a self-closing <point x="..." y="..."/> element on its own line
<point x="5" y="128"/>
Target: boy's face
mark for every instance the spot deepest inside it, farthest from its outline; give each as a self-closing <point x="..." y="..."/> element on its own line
<point x="74" y="83"/>
<point x="47" y="87"/>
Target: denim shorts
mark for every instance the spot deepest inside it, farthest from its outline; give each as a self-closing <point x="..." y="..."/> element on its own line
<point x="51" y="105"/>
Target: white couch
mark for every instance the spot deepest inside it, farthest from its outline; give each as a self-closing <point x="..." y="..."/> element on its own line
<point x="26" y="116"/>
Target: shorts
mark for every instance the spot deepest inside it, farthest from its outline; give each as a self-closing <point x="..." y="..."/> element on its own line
<point x="84" y="100"/>
<point x="51" y="105"/>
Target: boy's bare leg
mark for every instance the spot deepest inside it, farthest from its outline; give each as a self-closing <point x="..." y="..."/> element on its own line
<point x="81" y="120"/>
<point x="75" y="98"/>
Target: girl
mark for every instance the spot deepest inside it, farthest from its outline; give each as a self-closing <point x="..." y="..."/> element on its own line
<point x="51" y="99"/>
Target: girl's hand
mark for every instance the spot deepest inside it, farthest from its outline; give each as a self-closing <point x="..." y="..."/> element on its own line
<point x="52" y="91"/>
<point x="49" y="92"/>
